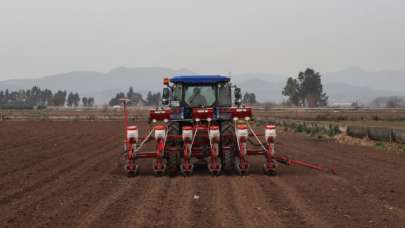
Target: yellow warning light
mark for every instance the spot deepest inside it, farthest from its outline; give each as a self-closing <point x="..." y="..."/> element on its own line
<point x="166" y="81"/>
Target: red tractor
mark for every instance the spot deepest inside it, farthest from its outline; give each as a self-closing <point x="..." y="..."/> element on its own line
<point x="198" y="123"/>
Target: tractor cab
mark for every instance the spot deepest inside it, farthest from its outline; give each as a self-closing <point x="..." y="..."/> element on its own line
<point x="199" y="96"/>
<point x="201" y="91"/>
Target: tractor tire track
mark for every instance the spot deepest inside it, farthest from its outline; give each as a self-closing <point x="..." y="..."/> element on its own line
<point x="251" y="199"/>
<point x="100" y="207"/>
<point x="151" y="209"/>
<point x="127" y="205"/>
<point x="229" y="213"/>
<point x="201" y="201"/>
<point x="185" y="204"/>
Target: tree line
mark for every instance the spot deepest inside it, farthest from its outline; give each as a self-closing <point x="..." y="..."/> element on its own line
<point x="306" y="91"/>
<point x="249" y="98"/>
<point x="136" y="99"/>
<point x="154" y="99"/>
<point x="388" y="102"/>
<point x="37" y="97"/>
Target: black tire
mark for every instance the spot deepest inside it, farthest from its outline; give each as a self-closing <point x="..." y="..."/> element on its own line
<point x="172" y="150"/>
<point x="227" y="147"/>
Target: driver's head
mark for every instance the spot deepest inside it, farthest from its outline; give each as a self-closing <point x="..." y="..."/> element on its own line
<point x="196" y="90"/>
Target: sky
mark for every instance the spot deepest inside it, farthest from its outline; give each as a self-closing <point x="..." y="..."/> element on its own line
<point x="45" y="37"/>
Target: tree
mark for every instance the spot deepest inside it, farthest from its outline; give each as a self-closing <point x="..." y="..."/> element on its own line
<point x="306" y="90"/>
<point x="136" y="99"/>
<point x="90" y="101"/>
<point x="85" y="101"/>
<point x="59" y="99"/>
<point x="116" y="100"/>
<point x="35" y="97"/>
<point x="393" y="102"/>
<point x="2" y="98"/>
<point x="47" y="97"/>
<point x="388" y="102"/>
<point x="76" y="99"/>
<point x="153" y="98"/>
<point x="149" y="98"/>
<point x="70" y="99"/>
<point x="249" y="98"/>
<point x="130" y="92"/>
<point x="292" y="91"/>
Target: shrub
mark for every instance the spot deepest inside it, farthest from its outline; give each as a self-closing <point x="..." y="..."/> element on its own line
<point x="299" y="128"/>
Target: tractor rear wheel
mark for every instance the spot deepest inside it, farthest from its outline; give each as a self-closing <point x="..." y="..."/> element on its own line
<point x="228" y="146"/>
<point x="172" y="149"/>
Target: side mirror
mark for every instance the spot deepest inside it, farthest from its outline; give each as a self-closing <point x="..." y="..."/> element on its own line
<point x="165" y="96"/>
<point x="238" y="96"/>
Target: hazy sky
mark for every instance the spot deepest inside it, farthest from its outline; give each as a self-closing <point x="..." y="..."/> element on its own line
<point x="44" y="37"/>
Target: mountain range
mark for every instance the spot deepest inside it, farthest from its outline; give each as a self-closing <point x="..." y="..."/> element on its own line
<point x="349" y="85"/>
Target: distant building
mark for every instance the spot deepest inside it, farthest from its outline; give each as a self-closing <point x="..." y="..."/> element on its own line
<point x="342" y="104"/>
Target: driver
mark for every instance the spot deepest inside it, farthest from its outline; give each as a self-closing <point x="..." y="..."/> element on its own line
<point x="197" y="99"/>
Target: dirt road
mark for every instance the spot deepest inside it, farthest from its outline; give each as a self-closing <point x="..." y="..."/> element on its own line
<point x="56" y="174"/>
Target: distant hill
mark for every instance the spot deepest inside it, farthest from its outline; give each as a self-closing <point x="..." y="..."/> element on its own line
<point x="4" y="86"/>
<point x="348" y="85"/>
<point x="380" y="80"/>
<point x="337" y="92"/>
<point x="102" y="86"/>
<point x="273" y="78"/>
<point x="264" y="90"/>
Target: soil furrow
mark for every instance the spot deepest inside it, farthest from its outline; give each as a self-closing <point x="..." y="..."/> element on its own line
<point x="228" y="212"/>
<point x="81" y="185"/>
<point x="46" y="191"/>
<point x="127" y="205"/>
<point x="252" y="200"/>
<point x="43" y="172"/>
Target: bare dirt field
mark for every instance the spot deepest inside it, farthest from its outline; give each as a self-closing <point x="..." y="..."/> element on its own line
<point x="55" y="174"/>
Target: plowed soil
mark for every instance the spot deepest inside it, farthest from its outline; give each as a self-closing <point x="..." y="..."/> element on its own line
<point x="55" y="174"/>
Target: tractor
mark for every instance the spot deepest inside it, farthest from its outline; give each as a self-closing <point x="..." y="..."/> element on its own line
<point x="200" y="122"/>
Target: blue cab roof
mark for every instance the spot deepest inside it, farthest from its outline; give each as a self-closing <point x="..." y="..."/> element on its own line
<point x="199" y="79"/>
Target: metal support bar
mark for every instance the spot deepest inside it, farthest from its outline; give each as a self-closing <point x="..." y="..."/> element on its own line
<point x="286" y="161"/>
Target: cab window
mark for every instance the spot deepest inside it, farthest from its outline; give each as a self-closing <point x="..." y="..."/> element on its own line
<point x="199" y="95"/>
<point x="224" y="94"/>
<point x="177" y="92"/>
